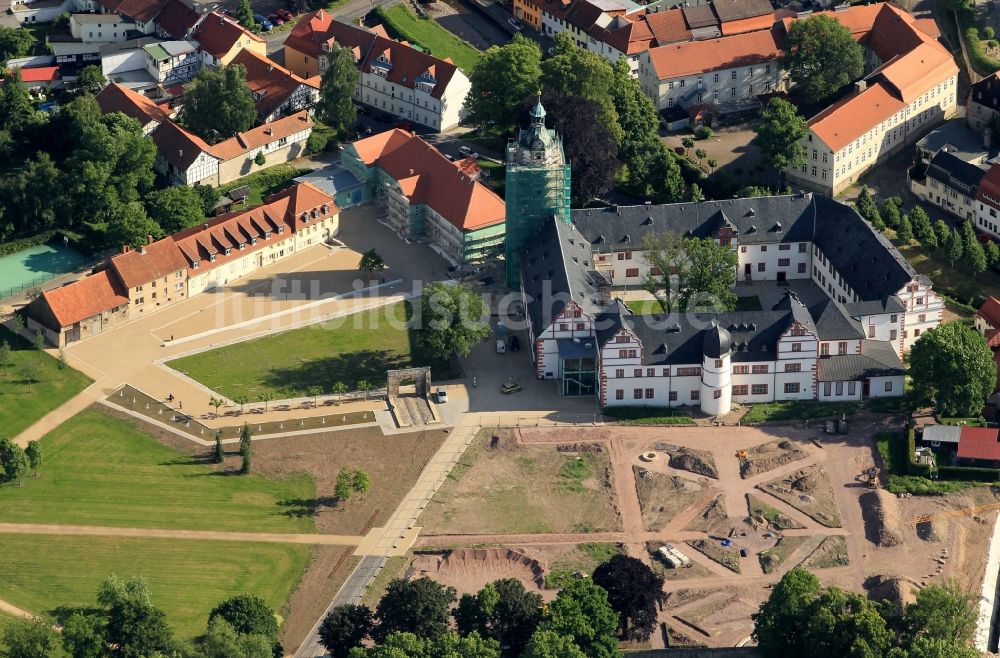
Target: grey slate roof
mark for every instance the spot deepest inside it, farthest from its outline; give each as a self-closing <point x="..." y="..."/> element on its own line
<point x="556" y="266"/>
<point x="833" y="322"/>
<point x="757" y="220"/>
<point x="877" y="359"/>
<point x="734" y="10"/>
<point x="955" y="172"/>
<point x="875" y="307"/>
<point x="869" y="263"/>
<point x="942" y="433"/>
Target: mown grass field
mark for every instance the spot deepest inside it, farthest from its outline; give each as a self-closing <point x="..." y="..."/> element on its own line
<point x="797" y="410"/>
<point x="429" y="36"/>
<point x="186" y="578"/>
<point x="362" y="347"/>
<point x="22" y="403"/>
<point x="102" y="470"/>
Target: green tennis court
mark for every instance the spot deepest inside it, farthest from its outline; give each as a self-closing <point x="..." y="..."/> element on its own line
<point x="33" y="267"/>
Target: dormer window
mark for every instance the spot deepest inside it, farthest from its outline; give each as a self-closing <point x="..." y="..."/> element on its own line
<point x="305" y="218"/>
<point x="195" y="264"/>
<point x="253" y="240"/>
<point x="267" y="236"/>
<point x="228" y="251"/>
<point x="326" y="208"/>
<point x="211" y="258"/>
<point x="313" y="213"/>
<point x="243" y="245"/>
<point x="281" y="229"/>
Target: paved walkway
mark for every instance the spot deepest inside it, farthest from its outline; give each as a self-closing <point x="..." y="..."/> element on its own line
<point x="163" y="533"/>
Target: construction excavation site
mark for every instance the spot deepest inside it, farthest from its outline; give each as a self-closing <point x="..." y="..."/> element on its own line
<point x="722" y="513"/>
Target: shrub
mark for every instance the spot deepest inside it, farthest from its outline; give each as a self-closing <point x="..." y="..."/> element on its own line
<point x="317" y="142"/>
<point x="703" y="132"/>
<point x="8" y="248"/>
<point x="988" y="32"/>
<point x="968" y="473"/>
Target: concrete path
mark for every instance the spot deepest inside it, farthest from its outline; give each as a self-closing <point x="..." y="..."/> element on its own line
<point x="163" y="533"/>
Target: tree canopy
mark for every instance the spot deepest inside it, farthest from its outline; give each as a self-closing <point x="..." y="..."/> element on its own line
<point x="576" y="71"/>
<point x="175" y="208"/>
<point x="249" y="615"/>
<point x="779" y="135"/>
<point x="336" y="91"/>
<point x="29" y="638"/>
<point x="581" y="611"/>
<point x="450" y="318"/>
<point x="821" y="58"/>
<point x="344" y="628"/>
<point x="503" y="611"/>
<point x="683" y="270"/>
<point x="634" y="592"/>
<point x="446" y="645"/>
<point x="413" y="606"/>
<point x="503" y="77"/>
<point x="218" y="104"/>
<point x="952" y="368"/>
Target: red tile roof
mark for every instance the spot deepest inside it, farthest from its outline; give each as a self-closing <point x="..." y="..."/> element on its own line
<point x="668" y="26"/>
<point x="177" y="19"/>
<point x="217" y="34"/>
<point x="40" y="74"/>
<point x="178" y="146"/>
<point x="139" y="266"/>
<point x="286" y="210"/>
<point x="854" y="115"/>
<point x="990" y="311"/>
<point x="407" y="63"/>
<point x="117" y="98"/>
<point x="979" y="443"/>
<point x="989" y="187"/>
<point x="427" y="177"/>
<point x="262" y="135"/>
<point x="272" y="83"/>
<point x="141" y="11"/>
<point x="84" y="298"/>
<point x="694" y="57"/>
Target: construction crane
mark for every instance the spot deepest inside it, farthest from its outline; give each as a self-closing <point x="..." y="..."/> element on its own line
<point x="927" y="518"/>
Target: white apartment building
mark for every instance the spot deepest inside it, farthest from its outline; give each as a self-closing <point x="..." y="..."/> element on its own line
<point x="988" y="203"/>
<point x="843" y="341"/>
<point x="951" y="184"/>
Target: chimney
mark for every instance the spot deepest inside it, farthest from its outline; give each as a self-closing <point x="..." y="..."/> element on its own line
<point x="125" y="248"/>
<point x="270" y="68"/>
<point x="149" y="239"/>
<point x="860" y="85"/>
<point x="142" y="250"/>
<point x="267" y="131"/>
<point x="180" y="153"/>
<point x="205" y="226"/>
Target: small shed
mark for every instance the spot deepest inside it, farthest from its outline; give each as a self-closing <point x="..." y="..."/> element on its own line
<point x="941" y="436"/>
<point x="979" y="446"/>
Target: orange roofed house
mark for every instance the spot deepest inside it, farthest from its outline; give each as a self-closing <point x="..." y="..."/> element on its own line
<point x="186" y="159"/>
<point x="426" y="194"/>
<point x="226" y="248"/>
<point x="396" y="79"/>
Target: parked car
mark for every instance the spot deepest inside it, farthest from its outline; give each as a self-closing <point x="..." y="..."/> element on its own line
<point x="265" y="24"/>
<point x="275" y="19"/>
<point x="285" y="14"/>
<point x="442" y="395"/>
<point x="515" y="344"/>
<point x="501" y="346"/>
<point x="451" y="158"/>
<point x="514" y="23"/>
<point x="467" y="152"/>
<point x="509" y="388"/>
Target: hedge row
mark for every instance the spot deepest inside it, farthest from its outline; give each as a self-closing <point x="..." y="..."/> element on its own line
<point x="14" y="246"/>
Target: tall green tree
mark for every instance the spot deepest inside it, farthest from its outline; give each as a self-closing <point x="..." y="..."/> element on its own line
<point x="943" y="231"/>
<point x="924" y="647"/>
<point x="890" y="212"/>
<point x="582" y="612"/>
<point x="134" y="627"/>
<point x="840" y="623"/>
<point x="245" y="449"/>
<point x="503" y="77"/>
<point x="248" y="614"/>
<point x="83" y="635"/>
<point x="342" y="488"/>
<point x="336" y="91"/>
<point x="780" y="134"/>
<point x="502" y="610"/>
<point x="941" y="612"/>
<point x="29" y="638"/>
<point x="640" y="143"/>
<point x="635" y="592"/>
<point x="14" y="42"/>
<point x="992" y="252"/>
<point x="866" y="205"/>
<point x="345" y="627"/>
<point x="709" y="274"/>
<point x="821" y="57"/>
<point x="953" y="249"/>
<point x="905" y="230"/>
<point x="218" y="104"/>
<point x="975" y="258"/>
<point x="90" y="79"/>
<point x="414" y="606"/>
<point x="779" y="625"/>
<point x="450" y="319"/>
<point x="371" y="262"/>
<point x="446" y="645"/>
<point x="13" y="462"/>
<point x="244" y="14"/>
<point x="952" y="368"/>
<point x="549" y="644"/>
<point x="175" y="208"/>
<point x="361" y="482"/>
<point x="33" y="451"/>
<point x="221" y="640"/>
<point x="128" y="224"/>
<point x="575" y="71"/>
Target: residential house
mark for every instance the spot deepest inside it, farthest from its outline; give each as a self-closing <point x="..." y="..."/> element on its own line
<point x="40" y="78"/>
<point x="987" y="318"/>
<point x="396" y="78"/>
<point x="276" y="90"/>
<point x="164" y="272"/>
<point x="222" y="38"/>
<point x="983" y="106"/>
<point x="140" y="13"/>
<point x="911" y="85"/>
<point x="186" y="159"/>
<point x="979" y="447"/>
<point x="27" y="12"/>
<point x="425" y="194"/>
<point x="176" y="20"/>
<point x="102" y="28"/>
<point x="73" y="55"/>
<point x="172" y="62"/>
<point x="988" y="202"/>
<point x="950" y="183"/>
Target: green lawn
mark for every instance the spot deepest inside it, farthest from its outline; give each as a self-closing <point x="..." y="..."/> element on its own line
<point x="101" y="470"/>
<point x="360" y="347"/>
<point x="265" y="182"/>
<point x="956" y="281"/>
<point x="22" y="404"/>
<point x="792" y="410"/>
<point x="648" y="416"/>
<point x="186" y="578"/>
<point x="892" y="447"/>
<point x="430" y="36"/>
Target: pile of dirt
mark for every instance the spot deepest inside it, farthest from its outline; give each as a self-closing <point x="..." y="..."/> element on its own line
<point x="714" y="513"/>
<point x="883" y="523"/>
<point x="769" y="456"/>
<point x="470" y="569"/>
<point x="806" y="484"/>
<point x="819" y="503"/>
<point x="662" y="497"/>
<point x="696" y="461"/>
<point x="899" y="591"/>
<point x="933" y="531"/>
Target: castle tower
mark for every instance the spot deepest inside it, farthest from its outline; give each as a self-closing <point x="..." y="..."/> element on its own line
<point x="538" y="179"/>
<point x="716" y="385"/>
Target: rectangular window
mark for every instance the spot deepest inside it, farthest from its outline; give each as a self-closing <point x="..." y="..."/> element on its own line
<point x="871" y="331"/>
<point x="666" y="372"/>
<point x="888" y="386"/>
<point x="791" y="387"/>
<point x="784" y="262"/>
<point x="741" y="370"/>
<point x="637" y="372"/>
<point x="840" y="388"/>
<point x="619" y="394"/>
<point x="842" y="347"/>
<point x="892" y="334"/>
<point x="759" y="389"/>
<point x="802" y="268"/>
<point x="716" y="394"/>
<point x="622" y="354"/>
<point x="688" y="372"/>
<point x="796" y="347"/>
<point x="579" y="326"/>
<point x="619" y="373"/>
<point x="740" y="389"/>
<point x="649" y="394"/>
<point x="673" y="396"/>
<point x="784" y="247"/>
<point x="632" y="272"/>
<point x="651" y="372"/>
<point x="852" y="388"/>
<point x="824" y="349"/>
<point x="695" y="395"/>
<point x="760" y="370"/>
<point x="636" y="393"/>
<point x="793" y="367"/>
<point x="827" y="388"/>
<point x="718" y="363"/>
<point x="761" y="267"/>
<point x="921" y="318"/>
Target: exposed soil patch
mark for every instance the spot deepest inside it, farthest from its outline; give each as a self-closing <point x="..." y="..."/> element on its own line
<point x="392" y="462"/>
<point x="769" y="456"/>
<point x="710" y="518"/>
<point x="809" y="491"/>
<point x="328" y="568"/>
<point x="773" y="558"/>
<point x="933" y="531"/>
<point x="831" y="552"/>
<point x="468" y="570"/>
<point x="696" y="461"/>
<point x="899" y="591"/>
<point x="727" y="556"/>
<point x="507" y="487"/>
<point x="883" y="525"/>
<point x="662" y="497"/>
<point x="770" y="516"/>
